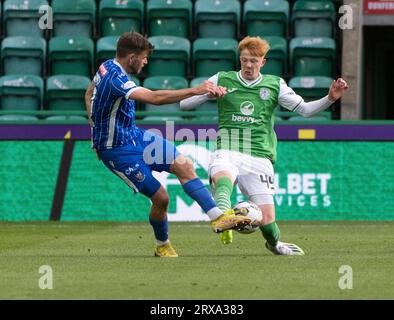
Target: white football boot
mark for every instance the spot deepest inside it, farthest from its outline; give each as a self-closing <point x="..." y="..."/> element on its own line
<point x="285" y="249"/>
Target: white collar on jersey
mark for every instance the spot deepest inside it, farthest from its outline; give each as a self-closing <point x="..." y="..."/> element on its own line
<point x="121" y="68"/>
<point x="249" y="83"/>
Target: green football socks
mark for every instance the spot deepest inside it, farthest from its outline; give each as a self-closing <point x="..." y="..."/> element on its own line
<point x="271" y="233"/>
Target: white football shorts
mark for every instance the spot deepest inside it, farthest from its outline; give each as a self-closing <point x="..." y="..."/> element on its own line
<point x="255" y="176"/>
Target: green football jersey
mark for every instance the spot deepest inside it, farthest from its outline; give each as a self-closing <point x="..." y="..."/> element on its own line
<point x="246" y="115"/>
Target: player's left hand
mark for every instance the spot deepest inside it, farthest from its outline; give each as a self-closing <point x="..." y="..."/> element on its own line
<point x="337" y="89"/>
<point x="217" y="92"/>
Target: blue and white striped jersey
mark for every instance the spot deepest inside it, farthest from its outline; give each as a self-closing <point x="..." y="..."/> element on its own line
<point x="112" y="111"/>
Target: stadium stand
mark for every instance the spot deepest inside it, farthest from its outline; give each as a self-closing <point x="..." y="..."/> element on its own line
<point x="266" y="18"/>
<point x="23" y="55"/>
<point x="21" y="92"/>
<point x="312" y="56"/>
<point x="105" y="49"/>
<point x="74" y="17"/>
<point x="277" y="56"/>
<point x="20" y="17"/>
<point x="172" y="18"/>
<point x="211" y="55"/>
<point x="66" y="92"/>
<point x="170" y="57"/>
<point x="193" y="40"/>
<point x="313" y="18"/>
<point x="217" y="18"/>
<point x="71" y="55"/>
<point x="117" y="16"/>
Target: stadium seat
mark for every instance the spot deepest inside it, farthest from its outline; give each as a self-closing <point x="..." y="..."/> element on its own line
<point x="311" y="119"/>
<point x="311" y="88"/>
<point x="212" y="55"/>
<point x="18" y="117"/>
<point x="105" y="49"/>
<point x="312" y="56"/>
<point x="67" y="118"/>
<point x="74" y="17"/>
<point x="217" y="18"/>
<point x="266" y="18"/>
<point x="276" y="63"/>
<point x="66" y="92"/>
<point x="170" y="57"/>
<point x="21" y="92"/>
<point x="171" y="18"/>
<point x="71" y="55"/>
<point x="117" y="17"/>
<point x="20" y="18"/>
<point x="313" y="18"/>
<point x="164" y="83"/>
<point x="23" y="55"/>
<point x="208" y="106"/>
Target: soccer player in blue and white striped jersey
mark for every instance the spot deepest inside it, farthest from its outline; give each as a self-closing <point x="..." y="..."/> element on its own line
<point x="110" y="102"/>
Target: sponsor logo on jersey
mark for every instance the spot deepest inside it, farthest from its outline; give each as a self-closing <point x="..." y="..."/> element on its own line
<point x="265" y="93"/>
<point x="103" y="70"/>
<point x="128" y="85"/>
<point x="247" y="108"/>
<point x="237" y="118"/>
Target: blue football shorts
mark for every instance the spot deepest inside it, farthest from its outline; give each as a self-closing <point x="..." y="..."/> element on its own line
<point x="135" y="162"/>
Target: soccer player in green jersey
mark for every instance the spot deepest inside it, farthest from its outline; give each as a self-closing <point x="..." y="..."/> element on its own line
<point x="246" y="143"/>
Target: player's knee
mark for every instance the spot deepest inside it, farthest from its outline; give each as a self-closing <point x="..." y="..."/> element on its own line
<point x="183" y="168"/>
<point x="161" y="200"/>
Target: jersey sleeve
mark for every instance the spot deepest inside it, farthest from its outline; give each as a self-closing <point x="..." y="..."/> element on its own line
<point x="122" y="86"/>
<point x="288" y="99"/>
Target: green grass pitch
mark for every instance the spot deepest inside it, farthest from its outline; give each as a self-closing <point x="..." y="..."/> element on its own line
<point x="115" y="261"/>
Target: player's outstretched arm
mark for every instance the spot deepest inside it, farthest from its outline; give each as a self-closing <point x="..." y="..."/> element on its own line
<point x="170" y="96"/>
<point x="193" y="102"/>
<point x="295" y="103"/>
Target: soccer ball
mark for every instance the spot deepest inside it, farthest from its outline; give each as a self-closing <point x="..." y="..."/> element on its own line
<point x="252" y="211"/>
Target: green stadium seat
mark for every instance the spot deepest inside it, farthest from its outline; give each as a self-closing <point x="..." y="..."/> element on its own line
<point x="313" y="18"/>
<point x="21" y="92"/>
<point x="105" y="49"/>
<point x="278" y="119"/>
<point x="170" y="57"/>
<point x="208" y="106"/>
<point x="312" y="56"/>
<point x="213" y="55"/>
<point x="217" y="18"/>
<point x="71" y="55"/>
<point x="164" y="83"/>
<point x="276" y="63"/>
<point x="311" y="119"/>
<point x="66" y="92"/>
<point x="74" y="17"/>
<point x="311" y="88"/>
<point x="18" y="117"/>
<point x="117" y="17"/>
<point x="23" y="55"/>
<point x="20" y="17"/>
<point x="266" y="18"/>
<point x="167" y="17"/>
<point x="69" y="118"/>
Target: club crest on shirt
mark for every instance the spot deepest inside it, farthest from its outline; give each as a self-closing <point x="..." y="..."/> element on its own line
<point x="139" y="176"/>
<point x="136" y="172"/>
<point x="265" y="93"/>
